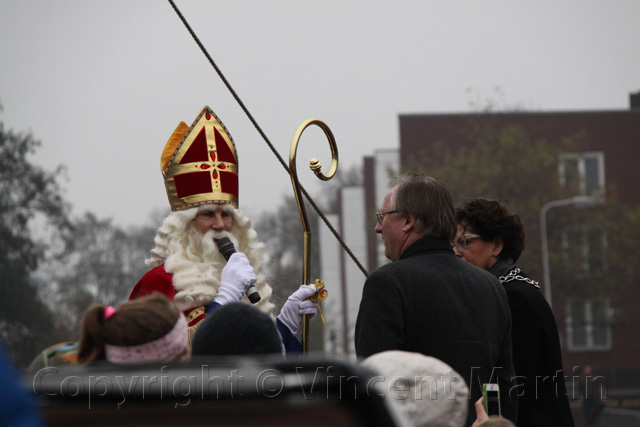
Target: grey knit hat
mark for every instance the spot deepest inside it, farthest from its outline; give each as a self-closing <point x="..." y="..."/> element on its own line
<point x="427" y="391"/>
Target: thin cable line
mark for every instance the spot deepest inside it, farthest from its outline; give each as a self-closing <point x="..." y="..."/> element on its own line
<point x="264" y="136"/>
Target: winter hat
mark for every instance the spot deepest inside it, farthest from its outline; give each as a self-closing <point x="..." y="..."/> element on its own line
<point x="236" y="328"/>
<point x="427" y="390"/>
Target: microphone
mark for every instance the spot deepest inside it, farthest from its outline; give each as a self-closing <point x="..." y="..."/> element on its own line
<point x="226" y="248"/>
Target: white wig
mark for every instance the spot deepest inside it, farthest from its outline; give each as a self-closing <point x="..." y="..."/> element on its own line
<point x="196" y="263"/>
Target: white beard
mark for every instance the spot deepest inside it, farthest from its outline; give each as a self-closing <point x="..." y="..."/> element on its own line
<point x="196" y="263"/>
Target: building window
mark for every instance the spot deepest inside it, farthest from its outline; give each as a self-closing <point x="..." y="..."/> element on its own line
<point x="582" y="174"/>
<point x="589" y="325"/>
<point x="584" y="251"/>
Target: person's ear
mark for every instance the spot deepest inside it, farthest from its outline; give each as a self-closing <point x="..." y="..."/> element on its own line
<point x="409" y="223"/>
<point x="498" y="245"/>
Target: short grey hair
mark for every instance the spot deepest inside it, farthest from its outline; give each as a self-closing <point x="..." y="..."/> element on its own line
<point x="428" y="200"/>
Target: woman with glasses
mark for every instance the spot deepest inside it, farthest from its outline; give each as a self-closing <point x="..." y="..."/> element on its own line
<point x="492" y="238"/>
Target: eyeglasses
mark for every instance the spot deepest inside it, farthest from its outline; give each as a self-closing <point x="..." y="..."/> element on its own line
<point x="461" y="244"/>
<point x="380" y="215"/>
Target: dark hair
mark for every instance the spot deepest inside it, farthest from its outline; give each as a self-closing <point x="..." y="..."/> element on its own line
<point x="135" y="322"/>
<point x="236" y="328"/>
<point x="428" y="200"/>
<point x="491" y="219"/>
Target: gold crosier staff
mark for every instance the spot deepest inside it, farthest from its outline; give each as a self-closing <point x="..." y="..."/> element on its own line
<point x="315" y="166"/>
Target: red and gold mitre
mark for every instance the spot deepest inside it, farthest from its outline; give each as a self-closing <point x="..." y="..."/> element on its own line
<point x="200" y="164"/>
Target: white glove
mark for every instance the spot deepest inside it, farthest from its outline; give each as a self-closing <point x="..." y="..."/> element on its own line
<point x="297" y="305"/>
<point x="235" y="279"/>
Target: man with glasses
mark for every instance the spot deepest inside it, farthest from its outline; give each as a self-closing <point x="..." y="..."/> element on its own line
<point x="429" y="301"/>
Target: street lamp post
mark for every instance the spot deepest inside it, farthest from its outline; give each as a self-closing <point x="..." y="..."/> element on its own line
<point x="578" y="201"/>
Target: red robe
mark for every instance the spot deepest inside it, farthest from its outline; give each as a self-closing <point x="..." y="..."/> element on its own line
<point x="158" y="280"/>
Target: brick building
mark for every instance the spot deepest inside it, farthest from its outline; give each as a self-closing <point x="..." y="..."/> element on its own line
<point x="599" y="331"/>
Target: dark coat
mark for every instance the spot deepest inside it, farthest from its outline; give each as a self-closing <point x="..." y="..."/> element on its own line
<point x="434" y="303"/>
<point x="537" y="359"/>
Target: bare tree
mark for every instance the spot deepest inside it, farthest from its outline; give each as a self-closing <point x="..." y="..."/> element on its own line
<point x="27" y="193"/>
<point x="102" y="264"/>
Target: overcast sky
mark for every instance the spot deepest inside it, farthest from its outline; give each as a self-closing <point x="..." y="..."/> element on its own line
<point x="103" y="84"/>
